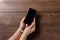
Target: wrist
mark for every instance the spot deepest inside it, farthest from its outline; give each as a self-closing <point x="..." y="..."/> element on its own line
<point x="24" y="35"/>
<point x="20" y="30"/>
<point x="21" y="27"/>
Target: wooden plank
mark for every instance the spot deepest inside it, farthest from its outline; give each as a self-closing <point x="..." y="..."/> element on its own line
<point x="16" y="17"/>
<point x="47" y="3"/>
<point x="10" y="29"/>
<point x="12" y="11"/>
<point x="44" y="34"/>
<point x="44" y="0"/>
<point x="7" y="30"/>
<point x="29" y="1"/>
<point x="52" y="18"/>
<point x="24" y="8"/>
<point x="26" y="0"/>
<point x="15" y="0"/>
<point x="6" y="3"/>
<point x="5" y="36"/>
<point x="48" y="34"/>
<point x="12" y="20"/>
<point x="42" y="6"/>
<point x="49" y="25"/>
<point x="42" y="26"/>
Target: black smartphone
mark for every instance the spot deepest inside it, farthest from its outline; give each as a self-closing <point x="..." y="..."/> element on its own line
<point x="30" y="16"/>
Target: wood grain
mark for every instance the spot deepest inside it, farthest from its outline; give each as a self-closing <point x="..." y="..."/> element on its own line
<point x="13" y="19"/>
<point x="48" y="34"/>
<point x="16" y="6"/>
<point x="47" y="22"/>
<point x="26" y="0"/>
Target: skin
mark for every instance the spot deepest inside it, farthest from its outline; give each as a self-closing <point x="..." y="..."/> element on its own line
<point x="18" y="35"/>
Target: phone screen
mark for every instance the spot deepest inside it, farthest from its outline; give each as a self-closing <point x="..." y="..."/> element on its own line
<point x="30" y="16"/>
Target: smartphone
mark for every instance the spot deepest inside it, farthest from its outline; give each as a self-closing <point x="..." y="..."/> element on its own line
<point x="30" y="16"/>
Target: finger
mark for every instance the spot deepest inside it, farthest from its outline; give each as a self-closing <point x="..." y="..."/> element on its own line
<point x="33" y="23"/>
<point x="33" y="29"/>
<point x="34" y="18"/>
<point x="22" y="22"/>
<point x="23" y="19"/>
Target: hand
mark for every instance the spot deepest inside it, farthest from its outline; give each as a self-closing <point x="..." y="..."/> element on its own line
<point x="22" y="24"/>
<point x="28" y="30"/>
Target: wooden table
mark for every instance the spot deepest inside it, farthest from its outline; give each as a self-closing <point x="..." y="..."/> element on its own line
<point x="48" y="18"/>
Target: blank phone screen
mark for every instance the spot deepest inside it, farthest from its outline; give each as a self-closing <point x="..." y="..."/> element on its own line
<point x="30" y="16"/>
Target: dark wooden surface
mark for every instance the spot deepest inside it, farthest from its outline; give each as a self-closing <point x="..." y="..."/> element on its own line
<point x="12" y="11"/>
